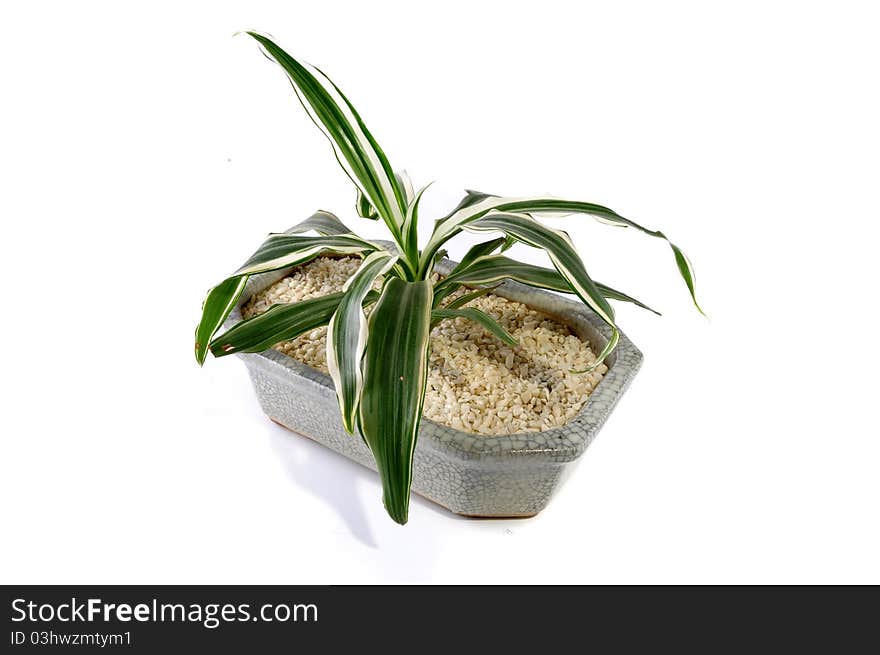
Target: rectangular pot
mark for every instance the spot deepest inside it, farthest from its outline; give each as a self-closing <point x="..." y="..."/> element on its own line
<point x="473" y="475"/>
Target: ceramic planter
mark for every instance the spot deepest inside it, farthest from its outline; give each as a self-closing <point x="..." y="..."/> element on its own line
<point x="486" y="476"/>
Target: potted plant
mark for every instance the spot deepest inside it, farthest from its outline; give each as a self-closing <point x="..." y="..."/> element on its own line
<point x="379" y="325"/>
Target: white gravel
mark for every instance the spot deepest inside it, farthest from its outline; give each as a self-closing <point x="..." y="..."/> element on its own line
<point x="476" y="383"/>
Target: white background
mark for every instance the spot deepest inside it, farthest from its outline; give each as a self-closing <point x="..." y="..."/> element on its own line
<point x="146" y="151"/>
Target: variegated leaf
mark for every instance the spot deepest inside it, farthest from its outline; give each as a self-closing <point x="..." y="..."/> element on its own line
<point x="364" y="208"/>
<point x="283" y="250"/>
<point x="395" y="369"/>
<point x="356" y="150"/>
<point x="411" y="228"/>
<point x="477" y="205"/>
<point x="217" y="306"/>
<point x="496" y="268"/>
<point x="563" y="255"/>
<point x="322" y="222"/>
<point x="280" y="322"/>
<point x="347" y="335"/>
<point x="478" y="316"/>
<point x="464" y="299"/>
<point x="278" y="251"/>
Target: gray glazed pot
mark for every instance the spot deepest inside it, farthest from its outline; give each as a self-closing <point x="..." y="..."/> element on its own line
<point x="472" y="475"/>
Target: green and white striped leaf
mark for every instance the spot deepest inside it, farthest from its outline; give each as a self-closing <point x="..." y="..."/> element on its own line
<point x="478" y="316"/>
<point x="614" y="294"/>
<point x="481" y="250"/>
<point x="563" y="255"/>
<point x="476" y="252"/>
<point x="411" y="228"/>
<point x="279" y="323"/>
<point x="476" y="205"/>
<point x="364" y="208"/>
<point x="322" y="222"/>
<point x="404" y="183"/>
<point x="219" y="302"/>
<point x="356" y="150"/>
<point x="283" y="250"/>
<point x="395" y="369"/>
<point x="464" y="299"/>
<point x="277" y="251"/>
<point x="687" y="273"/>
<point x="496" y="268"/>
<point x="347" y="335"/>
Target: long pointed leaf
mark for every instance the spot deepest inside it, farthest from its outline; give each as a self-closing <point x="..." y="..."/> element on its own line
<point x="477" y="205"/>
<point x="395" y="371"/>
<point x="481" y="250"/>
<point x="322" y="222"/>
<point x="496" y="268"/>
<point x="558" y="246"/>
<point x="614" y="294"/>
<point x="463" y="300"/>
<point x="563" y="255"/>
<point x="347" y="335"/>
<point x="356" y="150"/>
<point x="440" y="292"/>
<point x="277" y="251"/>
<point x="410" y="229"/>
<point x="279" y="323"/>
<point x="404" y="183"/>
<point x="476" y="252"/>
<point x="219" y="302"/>
<point x="478" y="316"/>
<point x="687" y="273"/>
<point x="283" y="250"/>
<point x="364" y="208"/>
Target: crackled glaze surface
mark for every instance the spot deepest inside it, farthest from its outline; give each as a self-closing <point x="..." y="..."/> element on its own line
<point x="508" y="475"/>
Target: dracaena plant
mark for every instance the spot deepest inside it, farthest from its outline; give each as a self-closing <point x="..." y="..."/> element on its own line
<point x="379" y="363"/>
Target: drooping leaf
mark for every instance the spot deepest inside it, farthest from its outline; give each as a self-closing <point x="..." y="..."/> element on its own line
<point x="478" y="316"/>
<point x="481" y="250"/>
<point x="395" y="369"/>
<point x="687" y="273"/>
<point x="496" y="268"/>
<point x="614" y="294"/>
<point x="477" y="205"/>
<point x="563" y="255"/>
<point x="609" y="347"/>
<point x="347" y="335"/>
<point x="364" y="208"/>
<point x="322" y="222"/>
<point x="356" y="150"/>
<point x="281" y="322"/>
<point x="217" y="306"/>
<point x="441" y="291"/>
<point x="277" y="251"/>
<point x="283" y="250"/>
<point x="476" y="252"/>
